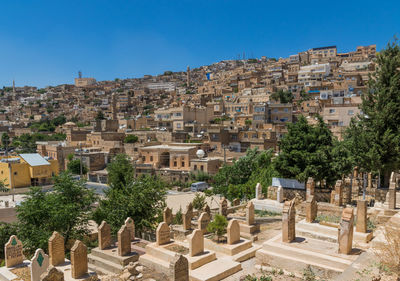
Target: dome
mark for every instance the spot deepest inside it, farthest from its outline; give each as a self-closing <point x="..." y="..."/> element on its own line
<point x="200" y="153"/>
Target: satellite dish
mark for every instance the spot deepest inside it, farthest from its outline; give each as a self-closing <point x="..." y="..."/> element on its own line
<point x="200" y="153"/>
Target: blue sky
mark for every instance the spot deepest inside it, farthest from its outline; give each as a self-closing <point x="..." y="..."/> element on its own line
<point x="47" y="42"/>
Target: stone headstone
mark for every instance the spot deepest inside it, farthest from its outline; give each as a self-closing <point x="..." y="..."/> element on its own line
<point x="233" y="232"/>
<point x="250" y="213"/>
<point x="259" y="191"/>
<point x="187" y="218"/>
<point x="167" y="215"/>
<point x="392" y="192"/>
<point x="196" y="243"/>
<point x="124" y="241"/>
<point x="332" y="197"/>
<point x="361" y="225"/>
<point x="279" y="194"/>
<point x="288" y="221"/>
<point x="311" y="209"/>
<point x="56" y="249"/>
<point x="39" y="264"/>
<point x="236" y="202"/>
<point x="79" y="260"/>
<point x="203" y="222"/>
<point x="346" y="231"/>
<point x="104" y="235"/>
<point x="207" y="209"/>
<point x="369" y="181"/>
<point x="163" y="235"/>
<point x="310" y="187"/>
<point x="223" y="207"/>
<point x="339" y="193"/>
<point x="13" y="252"/>
<point x="179" y="268"/>
<point x="130" y="224"/>
<point x="52" y="274"/>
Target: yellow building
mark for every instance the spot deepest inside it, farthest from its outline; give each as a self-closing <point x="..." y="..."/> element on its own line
<point x="27" y="170"/>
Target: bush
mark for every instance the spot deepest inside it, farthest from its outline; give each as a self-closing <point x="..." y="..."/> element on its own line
<point x="218" y="225"/>
<point x="199" y="201"/>
<point x="178" y="217"/>
<point x="131" y="139"/>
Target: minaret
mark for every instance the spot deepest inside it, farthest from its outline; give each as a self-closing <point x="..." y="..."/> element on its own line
<point x="188" y="76"/>
<point x="13" y="86"/>
<point x="114" y="106"/>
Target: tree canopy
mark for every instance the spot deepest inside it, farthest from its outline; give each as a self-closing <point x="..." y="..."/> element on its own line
<point x="74" y="166"/>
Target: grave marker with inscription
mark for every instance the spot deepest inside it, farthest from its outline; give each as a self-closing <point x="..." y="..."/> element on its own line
<point x="167" y="215"/>
<point x="13" y="252"/>
<point x="346" y="231"/>
<point x="203" y="222"/>
<point x="179" y="268"/>
<point x="250" y="213"/>
<point x="311" y="209"/>
<point x="56" y="249"/>
<point x="39" y="264"/>
<point x="124" y="241"/>
<point x="339" y="193"/>
<point x="130" y="224"/>
<point x="289" y="221"/>
<point x="104" y="235"/>
<point x="310" y="187"/>
<point x="163" y="235"/>
<point x="233" y="232"/>
<point x="223" y="207"/>
<point x="79" y="260"/>
<point x="196" y="243"/>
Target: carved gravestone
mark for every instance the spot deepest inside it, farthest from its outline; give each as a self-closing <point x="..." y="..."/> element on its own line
<point x="332" y="197"/>
<point x="279" y="194"/>
<point x="392" y="192"/>
<point x="167" y="215"/>
<point x="104" y="235"/>
<point x="179" y="268"/>
<point x="56" y="249"/>
<point x="223" y="207"/>
<point x="207" y="209"/>
<point x="250" y="213"/>
<point x="130" y="224"/>
<point x="236" y="202"/>
<point x="203" y="222"/>
<point x="233" y="232"/>
<point x="187" y="217"/>
<point x="311" y="209"/>
<point x="163" y="235"/>
<point x="346" y="231"/>
<point x="259" y="191"/>
<point x="79" y="260"/>
<point x="52" y="274"/>
<point x="196" y="243"/>
<point x="310" y="187"/>
<point x="288" y="221"/>
<point x="124" y="241"/>
<point x="369" y="181"/>
<point x="361" y="225"/>
<point x="13" y="252"/>
<point x="339" y="193"/>
<point x="39" y="264"/>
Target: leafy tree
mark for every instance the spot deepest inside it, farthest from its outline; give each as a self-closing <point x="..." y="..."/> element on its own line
<point x="178" y="218"/>
<point x="239" y="180"/>
<point x="131" y="139"/>
<point x="100" y="115"/>
<point x="6" y="230"/>
<point x="120" y="172"/>
<point x="218" y="225"/>
<point x="5" y="140"/>
<point x="200" y="176"/>
<point x="248" y="122"/>
<point x="143" y="200"/>
<point x="65" y="210"/>
<point x="74" y="166"/>
<point x="306" y="151"/>
<point x="374" y="135"/>
<point x="199" y="201"/>
<point x="26" y="143"/>
<point x="282" y="96"/>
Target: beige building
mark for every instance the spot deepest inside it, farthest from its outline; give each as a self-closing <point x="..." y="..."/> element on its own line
<point x="83" y="82"/>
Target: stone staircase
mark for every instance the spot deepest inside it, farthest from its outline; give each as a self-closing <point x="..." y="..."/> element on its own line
<point x="108" y="262"/>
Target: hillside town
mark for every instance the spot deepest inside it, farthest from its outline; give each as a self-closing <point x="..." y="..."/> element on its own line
<point x="253" y="169"/>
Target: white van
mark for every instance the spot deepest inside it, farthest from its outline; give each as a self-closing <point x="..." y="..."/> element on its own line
<point x="199" y="186"/>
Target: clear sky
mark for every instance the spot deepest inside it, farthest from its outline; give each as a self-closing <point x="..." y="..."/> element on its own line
<point x="47" y="42"/>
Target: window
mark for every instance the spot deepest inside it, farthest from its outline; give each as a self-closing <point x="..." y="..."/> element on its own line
<point x="201" y="168"/>
<point x="195" y="167"/>
<point x="254" y="136"/>
<point x="15" y="173"/>
<point x="286" y="110"/>
<point x="151" y="158"/>
<point x="332" y="111"/>
<point x="175" y="164"/>
<point x="183" y="163"/>
<point x="350" y="112"/>
<point x="246" y="136"/>
<point x="144" y="158"/>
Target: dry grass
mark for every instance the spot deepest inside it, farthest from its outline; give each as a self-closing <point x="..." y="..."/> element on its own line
<point x="389" y="250"/>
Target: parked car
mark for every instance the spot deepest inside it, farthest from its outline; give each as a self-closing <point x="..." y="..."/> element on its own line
<point x="199" y="186"/>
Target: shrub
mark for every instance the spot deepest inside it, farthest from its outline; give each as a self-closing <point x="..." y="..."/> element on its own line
<point x="178" y="217"/>
<point x="199" y="201"/>
<point x="218" y="225"/>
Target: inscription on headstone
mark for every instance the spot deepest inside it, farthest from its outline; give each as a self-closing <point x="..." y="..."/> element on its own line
<point x="13" y="252"/>
<point x="203" y="222"/>
<point x="79" y="260"/>
<point x="223" y="207"/>
<point x="163" y="235"/>
<point x="179" y="267"/>
<point x="167" y="215"/>
<point x="233" y="232"/>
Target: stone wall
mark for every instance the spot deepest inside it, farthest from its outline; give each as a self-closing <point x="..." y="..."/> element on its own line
<point x="321" y="195"/>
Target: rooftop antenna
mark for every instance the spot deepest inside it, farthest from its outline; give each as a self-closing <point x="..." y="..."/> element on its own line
<point x="80" y="74"/>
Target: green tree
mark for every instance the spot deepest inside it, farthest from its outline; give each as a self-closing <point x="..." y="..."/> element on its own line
<point x="5" y="140"/>
<point x="199" y="201"/>
<point x="74" y="166"/>
<point x="374" y="135"/>
<point x="143" y="200"/>
<point x="66" y="210"/>
<point x="282" y="96"/>
<point x="100" y="115"/>
<point x="218" y="225"/>
<point x="120" y="172"/>
<point x="306" y="151"/>
<point x="131" y="139"/>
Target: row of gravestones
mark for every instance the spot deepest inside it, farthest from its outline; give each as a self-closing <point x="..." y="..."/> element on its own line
<point x="125" y="235"/>
<point x="345" y="233"/>
<point x="205" y="216"/>
<point x="40" y="262"/>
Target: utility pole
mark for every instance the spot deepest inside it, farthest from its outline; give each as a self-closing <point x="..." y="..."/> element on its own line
<point x="80" y="161"/>
<point x="364" y="184"/>
<point x="224" y="147"/>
